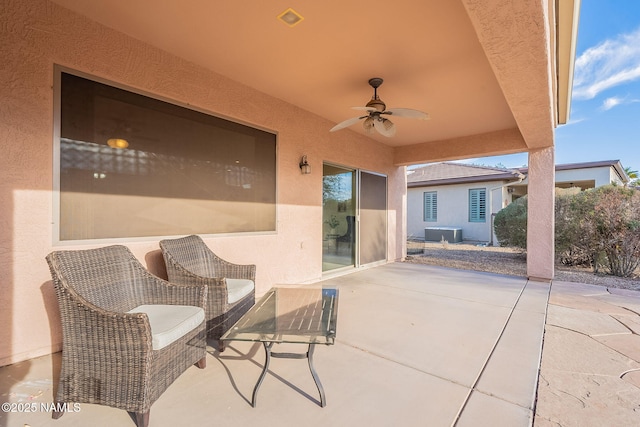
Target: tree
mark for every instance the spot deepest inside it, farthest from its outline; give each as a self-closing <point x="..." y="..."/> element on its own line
<point x="633" y="176"/>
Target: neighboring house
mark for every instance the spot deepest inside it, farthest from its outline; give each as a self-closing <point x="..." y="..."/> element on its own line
<point x="444" y="197"/>
<point x="583" y="175"/>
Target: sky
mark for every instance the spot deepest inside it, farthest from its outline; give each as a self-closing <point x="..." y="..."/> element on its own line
<point x="604" y="121"/>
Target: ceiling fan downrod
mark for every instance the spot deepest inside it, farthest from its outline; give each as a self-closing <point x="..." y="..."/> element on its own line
<point x="376" y="102"/>
<point x="375" y="83"/>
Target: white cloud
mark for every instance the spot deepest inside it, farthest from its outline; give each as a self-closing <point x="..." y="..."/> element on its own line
<point x="609" y="64"/>
<point x="609" y="103"/>
<point x="574" y="121"/>
<point x="614" y="101"/>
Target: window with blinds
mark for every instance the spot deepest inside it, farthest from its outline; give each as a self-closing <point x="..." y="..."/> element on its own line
<point x="477" y="205"/>
<point x="431" y="206"/>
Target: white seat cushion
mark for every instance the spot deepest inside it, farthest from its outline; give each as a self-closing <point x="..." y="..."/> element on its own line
<point x="238" y="289"/>
<point x="170" y="322"/>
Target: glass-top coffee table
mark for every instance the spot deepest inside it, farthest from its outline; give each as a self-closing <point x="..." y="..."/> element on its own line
<point x="305" y="315"/>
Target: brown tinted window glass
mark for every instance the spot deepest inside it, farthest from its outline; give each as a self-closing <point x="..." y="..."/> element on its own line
<point x="134" y="166"/>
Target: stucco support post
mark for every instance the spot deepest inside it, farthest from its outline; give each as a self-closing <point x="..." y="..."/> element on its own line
<point x="541" y="215"/>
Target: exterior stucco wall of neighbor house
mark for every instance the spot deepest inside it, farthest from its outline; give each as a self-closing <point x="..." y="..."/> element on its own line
<point x="601" y="176"/>
<point x="615" y="178"/>
<point x="584" y="175"/>
<point x="453" y="209"/>
<point x="37" y="34"/>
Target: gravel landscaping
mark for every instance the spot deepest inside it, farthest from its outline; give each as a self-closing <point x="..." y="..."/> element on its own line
<point x="504" y="261"/>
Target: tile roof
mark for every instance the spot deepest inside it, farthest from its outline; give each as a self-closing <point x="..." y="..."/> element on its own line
<point x="615" y="164"/>
<point x="453" y="173"/>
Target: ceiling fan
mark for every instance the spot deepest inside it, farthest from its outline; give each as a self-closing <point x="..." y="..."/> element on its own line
<point x="376" y="109"/>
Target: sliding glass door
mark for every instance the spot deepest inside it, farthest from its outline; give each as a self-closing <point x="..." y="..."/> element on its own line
<point x="373" y="218"/>
<point x="354" y="214"/>
<point x="339" y="217"/>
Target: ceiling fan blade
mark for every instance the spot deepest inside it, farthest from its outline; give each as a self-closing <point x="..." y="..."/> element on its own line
<point x="369" y="109"/>
<point x="368" y="124"/>
<point x="407" y="112"/>
<point x="385" y="127"/>
<point x="346" y="123"/>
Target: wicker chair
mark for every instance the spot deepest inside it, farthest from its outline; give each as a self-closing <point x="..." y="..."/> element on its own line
<point x="118" y="347"/>
<point x="231" y="286"/>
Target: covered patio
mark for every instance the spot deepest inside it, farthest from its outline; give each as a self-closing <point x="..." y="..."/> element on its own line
<point x="495" y="78"/>
<point x="416" y="345"/>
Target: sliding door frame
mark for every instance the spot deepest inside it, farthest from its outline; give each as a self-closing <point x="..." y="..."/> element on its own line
<point x="357" y="200"/>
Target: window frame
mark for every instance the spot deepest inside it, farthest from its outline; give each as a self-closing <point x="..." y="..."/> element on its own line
<point x="477" y="205"/>
<point x="430" y="198"/>
<point x="57" y="163"/>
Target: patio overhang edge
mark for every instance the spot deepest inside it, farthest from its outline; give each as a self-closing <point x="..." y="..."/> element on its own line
<point x="568" y="13"/>
<point x="508" y="141"/>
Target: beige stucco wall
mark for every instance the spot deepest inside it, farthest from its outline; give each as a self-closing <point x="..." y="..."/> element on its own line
<point x="37" y="34"/>
<point x="453" y="209"/>
<point x="597" y="176"/>
<point x="601" y="175"/>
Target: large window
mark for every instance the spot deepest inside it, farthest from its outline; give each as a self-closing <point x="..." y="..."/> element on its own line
<point x="477" y="205"/>
<point x="134" y="166"/>
<point x="431" y="206"/>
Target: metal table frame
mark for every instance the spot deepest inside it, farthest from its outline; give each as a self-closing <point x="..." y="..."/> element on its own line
<point x="269" y="354"/>
<point x="310" y="318"/>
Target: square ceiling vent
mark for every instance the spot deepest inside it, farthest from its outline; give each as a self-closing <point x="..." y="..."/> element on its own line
<point x="290" y="17"/>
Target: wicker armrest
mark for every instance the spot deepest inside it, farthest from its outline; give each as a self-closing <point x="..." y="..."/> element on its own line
<point x="162" y="292"/>
<point x="158" y="291"/>
<point x="234" y="271"/>
<point x="190" y="253"/>
<point x="217" y="286"/>
<point x="94" y="328"/>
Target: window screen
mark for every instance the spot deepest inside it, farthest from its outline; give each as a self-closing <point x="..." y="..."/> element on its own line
<point x="134" y="166"/>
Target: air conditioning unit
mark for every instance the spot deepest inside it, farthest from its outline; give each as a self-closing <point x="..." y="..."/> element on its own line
<point x="437" y="234"/>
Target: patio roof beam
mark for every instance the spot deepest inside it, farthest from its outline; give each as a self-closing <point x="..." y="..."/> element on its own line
<point x="508" y="141"/>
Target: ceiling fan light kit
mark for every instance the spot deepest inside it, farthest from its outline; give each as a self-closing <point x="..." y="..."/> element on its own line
<point x="384" y="127"/>
<point x="375" y="109"/>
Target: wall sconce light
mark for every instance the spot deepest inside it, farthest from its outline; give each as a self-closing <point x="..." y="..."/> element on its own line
<point x="305" y="167"/>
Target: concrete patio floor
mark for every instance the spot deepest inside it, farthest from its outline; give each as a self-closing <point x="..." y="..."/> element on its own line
<point x="416" y="345"/>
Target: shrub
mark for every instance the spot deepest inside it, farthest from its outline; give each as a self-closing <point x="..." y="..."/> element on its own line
<point x="576" y="240"/>
<point x="510" y="224"/>
<point x="600" y="227"/>
<point x="617" y="221"/>
<point x="597" y="227"/>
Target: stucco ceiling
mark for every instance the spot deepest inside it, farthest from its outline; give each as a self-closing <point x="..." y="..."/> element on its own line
<point x="453" y="59"/>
